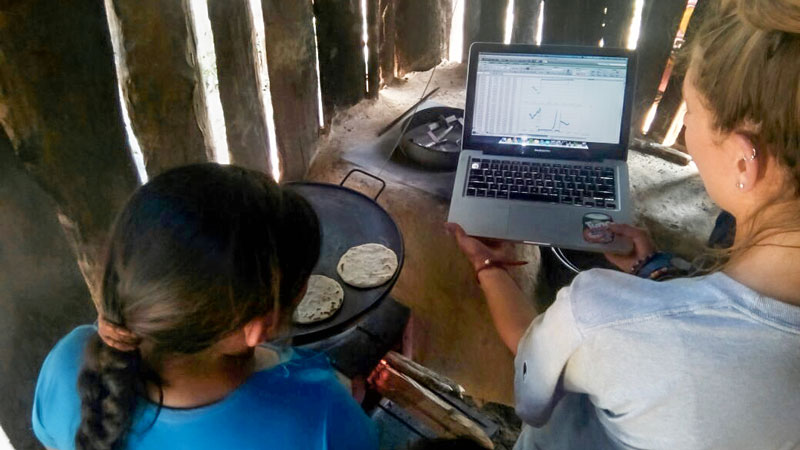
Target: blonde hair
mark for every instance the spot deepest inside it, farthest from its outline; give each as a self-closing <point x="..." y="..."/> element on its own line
<point x="745" y="63"/>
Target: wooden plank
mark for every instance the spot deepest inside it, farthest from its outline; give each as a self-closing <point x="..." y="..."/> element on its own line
<point x="526" y="21"/>
<point x="660" y="21"/>
<point x="484" y="21"/>
<point x="342" y="70"/>
<point x="472" y="25"/>
<point x="422" y="33"/>
<point x="374" y="44"/>
<point x="673" y="95"/>
<point x="60" y="108"/>
<point x="291" y="59"/>
<point x="617" y="20"/>
<point x="493" y="20"/>
<point x="239" y="85"/>
<point x="573" y="22"/>
<point x="424" y="405"/>
<point x="386" y="47"/>
<point x="162" y="84"/>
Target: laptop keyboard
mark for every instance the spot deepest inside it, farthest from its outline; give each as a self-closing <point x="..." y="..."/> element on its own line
<point x="579" y="185"/>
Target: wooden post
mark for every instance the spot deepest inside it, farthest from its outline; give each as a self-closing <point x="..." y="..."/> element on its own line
<point x="573" y="22"/>
<point x="291" y="59"/>
<point x="374" y="43"/>
<point x="526" y="21"/>
<point x="342" y="71"/>
<point x="673" y="95"/>
<point x="161" y="83"/>
<point x="386" y="50"/>
<point x="239" y="85"/>
<point x="472" y="25"/>
<point x="617" y="19"/>
<point x="660" y="21"/>
<point x="484" y="21"/>
<point x="422" y="33"/>
<point x="60" y="108"/>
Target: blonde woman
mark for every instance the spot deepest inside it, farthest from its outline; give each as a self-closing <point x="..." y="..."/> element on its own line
<point x="623" y="361"/>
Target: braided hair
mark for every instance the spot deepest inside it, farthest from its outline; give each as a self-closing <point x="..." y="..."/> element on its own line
<point x="196" y="253"/>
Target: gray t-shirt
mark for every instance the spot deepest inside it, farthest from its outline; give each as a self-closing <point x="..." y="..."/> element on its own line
<point x="621" y="362"/>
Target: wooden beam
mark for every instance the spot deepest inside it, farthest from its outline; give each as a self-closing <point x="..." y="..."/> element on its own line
<point x="388" y="34"/>
<point x="573" y="22"/>
<point x="673" y="95"/>
<point x="291" y="59"/>
<point x="423" y="33"/>
<point x="660" y="21"/>
<point x="239" y="85"/>
<point x="526" y="21"/>
<point x="342" y="71"/>
<point x="60" y="110"/>
<point x="374" y="44"/>
<point x="162" y="84"/>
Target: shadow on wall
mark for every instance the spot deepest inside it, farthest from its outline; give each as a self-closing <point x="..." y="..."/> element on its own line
<point x="42" y="293"/>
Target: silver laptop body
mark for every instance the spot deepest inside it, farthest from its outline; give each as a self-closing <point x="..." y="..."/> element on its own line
<point x="545" y="140"/>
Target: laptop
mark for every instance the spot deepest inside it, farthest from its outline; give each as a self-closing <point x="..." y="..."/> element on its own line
<point x="544" y="147"/>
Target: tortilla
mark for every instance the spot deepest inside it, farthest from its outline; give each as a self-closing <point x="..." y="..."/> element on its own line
<point x="323" y="298"/>
<point x="367" y="266"/>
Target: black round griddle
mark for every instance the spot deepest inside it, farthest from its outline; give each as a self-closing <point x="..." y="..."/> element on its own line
<point x="347" y="218"/>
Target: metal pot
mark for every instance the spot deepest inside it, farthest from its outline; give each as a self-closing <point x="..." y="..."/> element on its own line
<point x="433" y="138"/>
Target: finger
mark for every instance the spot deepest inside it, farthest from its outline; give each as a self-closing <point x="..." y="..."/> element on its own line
<point x="454" y="228"/>
<point x="458" y="232"/>
<point x="493" y="243"/>
<point x="625" y="229"/>
<point x="639" y="236"/>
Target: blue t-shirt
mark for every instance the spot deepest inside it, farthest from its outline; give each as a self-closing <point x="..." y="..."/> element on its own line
<point x="297" y="404"/>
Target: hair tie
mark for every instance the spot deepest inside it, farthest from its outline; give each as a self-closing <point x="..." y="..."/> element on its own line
<point x="117" y="336"/>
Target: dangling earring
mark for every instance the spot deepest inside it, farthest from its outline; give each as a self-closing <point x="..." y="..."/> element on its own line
<point x="740" y="185"/>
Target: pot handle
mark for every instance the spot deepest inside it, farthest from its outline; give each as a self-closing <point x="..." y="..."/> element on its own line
<point x="383" y="183"/>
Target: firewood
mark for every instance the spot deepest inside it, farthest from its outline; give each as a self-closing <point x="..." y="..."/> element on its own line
<point x="424" y="376"/>
<point x="426" y="406"/>
<point x="661" y="151"/>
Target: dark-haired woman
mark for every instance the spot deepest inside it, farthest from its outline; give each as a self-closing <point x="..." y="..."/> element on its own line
<point x="205" y="263"/>
<point x="621" y="361"/>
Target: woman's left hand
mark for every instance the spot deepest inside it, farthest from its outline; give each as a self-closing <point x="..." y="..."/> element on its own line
<point x="478" y="250"/>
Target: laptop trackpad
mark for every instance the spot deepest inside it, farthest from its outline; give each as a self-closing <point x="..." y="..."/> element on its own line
<point x="537" y="224"/>
<point x="488" y="221"/>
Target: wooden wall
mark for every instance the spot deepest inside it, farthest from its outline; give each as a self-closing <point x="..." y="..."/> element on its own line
<point x="60" y="108"/>
<point x="58" y="84"/>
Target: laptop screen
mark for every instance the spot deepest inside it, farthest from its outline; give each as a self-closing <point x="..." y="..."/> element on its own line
<point x="548" y="101"/>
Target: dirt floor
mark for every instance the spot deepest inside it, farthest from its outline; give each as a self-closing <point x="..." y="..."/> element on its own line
<point x="451" y="326"/>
